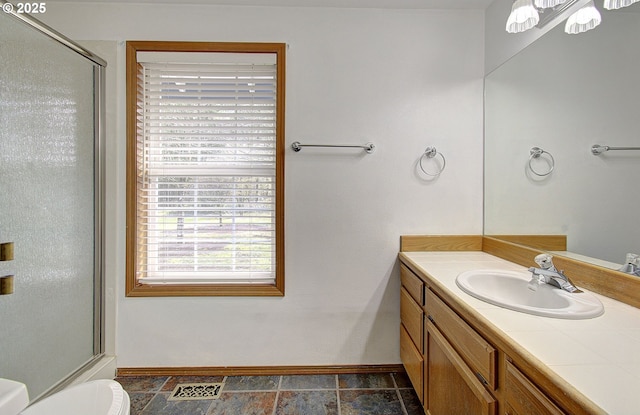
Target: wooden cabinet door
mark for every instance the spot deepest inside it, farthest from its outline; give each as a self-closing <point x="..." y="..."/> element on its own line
<point x="523" y="397"/>
<point x="450" y="387"/>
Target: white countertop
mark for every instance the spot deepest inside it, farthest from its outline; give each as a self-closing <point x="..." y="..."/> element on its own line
<point x="600" y="357"/>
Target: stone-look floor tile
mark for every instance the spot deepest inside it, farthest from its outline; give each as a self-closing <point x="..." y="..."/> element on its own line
<point x="243" y="403"/>
<point x="170" y="384"/>
<point x="307" y="403"/>
<point x="361" y="394"/>
<point x="251" y="383"/>
<point x="139" y="400"/>
<point x="411" y="402"/>
<point x="402" y="380"/>
<point x="369" y="402"/>
<point x="293" y="382"/>
<point x="159" y="405"/>
<point x="142" y="383"/>
<point x="366" y="381"/>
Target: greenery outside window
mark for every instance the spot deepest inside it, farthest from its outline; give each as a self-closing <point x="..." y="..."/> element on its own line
<point x="205" y="168"/>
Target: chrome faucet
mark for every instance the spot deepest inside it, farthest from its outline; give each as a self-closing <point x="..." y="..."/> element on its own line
<point x="549" y="274"/>
<point x="632" y="266"/>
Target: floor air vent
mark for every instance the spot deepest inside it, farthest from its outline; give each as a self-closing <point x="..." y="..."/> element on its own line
<point x="195" y="391"/>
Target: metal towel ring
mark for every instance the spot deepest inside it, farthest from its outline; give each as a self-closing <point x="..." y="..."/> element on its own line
<point x="536" y="152"/>
<point x="431" y="152"/>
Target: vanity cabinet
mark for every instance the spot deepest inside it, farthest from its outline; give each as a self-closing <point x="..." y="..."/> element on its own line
<point x="450" y="386"/>
<point x="523" y="397"/>
<point x="457" y="368"/>
<point x="459" y="365"/>
<point x="480" y="355"/>
<point x="411" y="327"/>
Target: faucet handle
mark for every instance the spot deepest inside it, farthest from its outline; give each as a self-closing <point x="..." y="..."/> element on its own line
<point x="544" y="260"/>
<point x="632" y="264"/>
<point x="536" y="280"/>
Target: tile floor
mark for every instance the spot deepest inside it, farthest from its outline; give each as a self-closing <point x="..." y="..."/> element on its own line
<point x="343" y="394"/>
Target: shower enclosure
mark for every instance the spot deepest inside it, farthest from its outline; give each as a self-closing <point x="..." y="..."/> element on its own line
<point x="51" y="94"/>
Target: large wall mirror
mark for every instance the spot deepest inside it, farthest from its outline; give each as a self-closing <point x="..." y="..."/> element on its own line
<point x="563" y="94"/>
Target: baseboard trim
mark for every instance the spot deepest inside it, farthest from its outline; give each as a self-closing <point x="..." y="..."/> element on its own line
<point x="256" y="370"/>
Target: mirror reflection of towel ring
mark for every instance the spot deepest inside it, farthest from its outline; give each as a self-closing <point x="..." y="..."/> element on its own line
<point x="431" y="152"/>
<point x="535" y="153"/>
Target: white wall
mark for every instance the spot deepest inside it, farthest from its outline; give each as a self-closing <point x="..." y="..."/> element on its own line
<point x="403" y="80"/>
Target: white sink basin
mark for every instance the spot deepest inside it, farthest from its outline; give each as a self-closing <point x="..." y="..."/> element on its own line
<point x="509" y="289"/>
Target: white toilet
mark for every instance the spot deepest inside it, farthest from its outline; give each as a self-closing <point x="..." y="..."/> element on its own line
<point x="96" y="397"/>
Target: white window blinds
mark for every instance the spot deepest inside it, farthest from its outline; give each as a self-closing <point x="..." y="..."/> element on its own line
<point x="206" y="157"/>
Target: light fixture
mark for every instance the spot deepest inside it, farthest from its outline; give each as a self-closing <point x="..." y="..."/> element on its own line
<point x="523" y="16"/>
<point x="618" y="4"/>
<point x="545" y="4"/>
<point x="526" y="14"/>
<point x="587" y="18"/>
<point x="550" y="14"/>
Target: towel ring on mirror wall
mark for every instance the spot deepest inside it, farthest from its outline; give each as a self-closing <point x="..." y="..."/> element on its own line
<point x="431" y="152"/>
<point x="537" y="152"/>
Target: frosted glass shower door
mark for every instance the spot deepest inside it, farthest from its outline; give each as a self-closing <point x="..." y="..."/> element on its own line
<point x="47" y="204"/>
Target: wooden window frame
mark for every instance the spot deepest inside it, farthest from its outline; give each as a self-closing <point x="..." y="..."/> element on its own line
<point x="133" y="288"/>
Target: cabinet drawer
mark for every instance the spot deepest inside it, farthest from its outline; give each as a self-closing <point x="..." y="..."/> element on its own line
<point x="411" y="317"/>
<point x="523" y="397"/>
<point x="412" y="361"/>
<point x="474" y="349"/>
<point x="412" y="283"/>
<point x="451" y="387"/>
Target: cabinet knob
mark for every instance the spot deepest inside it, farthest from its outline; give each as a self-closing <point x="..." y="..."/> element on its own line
<point x="481" y="379"/>
<point x="6" y="285"/>
<point x="6" y="251"/>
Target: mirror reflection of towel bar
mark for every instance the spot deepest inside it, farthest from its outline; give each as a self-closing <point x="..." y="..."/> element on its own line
<point x="597" y="149"/>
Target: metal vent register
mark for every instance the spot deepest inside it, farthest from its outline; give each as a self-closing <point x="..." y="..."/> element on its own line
<point x="196" y="391"/>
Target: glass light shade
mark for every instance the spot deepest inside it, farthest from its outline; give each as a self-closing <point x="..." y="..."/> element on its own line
<point x="618" y="4"/>
<point x="546" y="4"/>
<point x="584" y="19"/>
<point x="523" y="16"/>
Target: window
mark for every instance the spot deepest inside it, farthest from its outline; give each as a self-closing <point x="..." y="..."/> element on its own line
<point x="205" y="169"/>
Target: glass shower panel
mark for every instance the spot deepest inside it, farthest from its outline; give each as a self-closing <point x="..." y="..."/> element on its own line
<point x="46" y="207"/>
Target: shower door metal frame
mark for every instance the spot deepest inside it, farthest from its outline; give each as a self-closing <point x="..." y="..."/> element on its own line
<point x="53" y="34"/>
<point x="99" y="186"/>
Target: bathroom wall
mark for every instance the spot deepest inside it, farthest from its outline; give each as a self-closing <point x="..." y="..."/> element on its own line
<point x="403" y="80"/>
